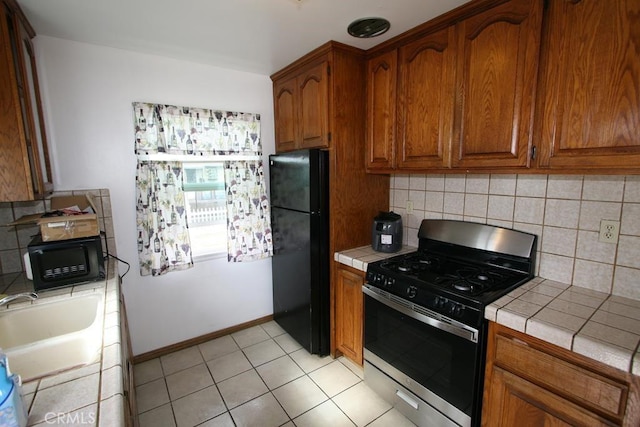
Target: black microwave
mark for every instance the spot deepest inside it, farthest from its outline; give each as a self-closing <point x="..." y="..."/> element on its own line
<point x="64" y="262"/>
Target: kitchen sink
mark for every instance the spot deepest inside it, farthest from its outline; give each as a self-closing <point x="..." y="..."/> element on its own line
<point x="50" y="336"/>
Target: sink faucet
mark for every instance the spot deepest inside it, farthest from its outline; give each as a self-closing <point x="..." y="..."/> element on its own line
<point x="9" y="298"/>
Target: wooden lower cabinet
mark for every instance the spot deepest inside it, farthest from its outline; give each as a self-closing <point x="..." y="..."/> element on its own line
<point x="530" y="382"/>
<point x="349" y="312"/>
<point x="129" y="390"/>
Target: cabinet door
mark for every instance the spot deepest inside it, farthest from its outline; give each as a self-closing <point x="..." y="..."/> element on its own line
<point x="25" y="172"/>
<point x="348" y="312"/>
<point x="131" y="414"/>
<point x="497" y="70"/>
<point x="532" y="382"/>
<point x="426" y="100"/>
<point x="516" y="402"/>
<point x="591" y="85"/>
<point x="382" y="77"/>
<point x="313" y="88"/>
<point x="285" y="109"/>
<point x="39" y="156"/>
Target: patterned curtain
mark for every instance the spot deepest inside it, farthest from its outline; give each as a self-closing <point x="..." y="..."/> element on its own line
<point x="248" y="218"/>
<point x="173" y="132"/>
<point x="163" y="232"/>
<point x="195" y="131"/>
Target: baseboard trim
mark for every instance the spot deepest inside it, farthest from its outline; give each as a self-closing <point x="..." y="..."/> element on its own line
<point x="163" y="351"/>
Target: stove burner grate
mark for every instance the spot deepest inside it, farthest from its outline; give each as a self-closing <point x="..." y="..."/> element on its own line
<point x="411" y="264"/>
<point x="462" y="278"/>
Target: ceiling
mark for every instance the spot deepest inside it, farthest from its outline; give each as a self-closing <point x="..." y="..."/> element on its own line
<point x="258" y="36"/>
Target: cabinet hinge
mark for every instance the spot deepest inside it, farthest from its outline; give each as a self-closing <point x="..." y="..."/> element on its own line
<point x="533" y="152"/>
<point x="328" y="70"/>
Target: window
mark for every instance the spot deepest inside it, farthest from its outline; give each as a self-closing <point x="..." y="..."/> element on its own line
<point x="191" y="220"/>
<point x="206" y="207"/>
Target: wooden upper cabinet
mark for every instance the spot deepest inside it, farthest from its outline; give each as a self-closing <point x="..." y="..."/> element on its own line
<point x="25" y="171"/>
<point x="426" y="101"/>
<point x="590" y="80"/>
<point x="382" y="77"/>
<point x="284" y="93"/>
<point x="313" y="86"/>
<point x="301" y="109"/>
<point x="497" y="67"/>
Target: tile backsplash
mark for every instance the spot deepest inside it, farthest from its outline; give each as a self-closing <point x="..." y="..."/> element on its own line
<point x="14" y="239"/>
<point x="563" y="210"/>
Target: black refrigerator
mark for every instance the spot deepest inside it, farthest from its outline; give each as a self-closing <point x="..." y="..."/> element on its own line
<point x="299" y="187"/>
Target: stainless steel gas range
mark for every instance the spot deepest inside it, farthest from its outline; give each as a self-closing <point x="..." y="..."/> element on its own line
<point x="424" y="327"/>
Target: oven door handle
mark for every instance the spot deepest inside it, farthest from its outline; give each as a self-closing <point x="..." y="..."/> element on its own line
<point x="458" y="329"/>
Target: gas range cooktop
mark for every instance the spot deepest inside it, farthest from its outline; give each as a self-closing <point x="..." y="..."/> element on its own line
<point x="458" y="269"/>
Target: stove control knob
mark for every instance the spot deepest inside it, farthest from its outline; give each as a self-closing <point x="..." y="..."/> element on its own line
<point x="389" y="281"/>
<point x="456" y="310"/>
<point x="412" y="291"/>
<point x="440" y="302"/>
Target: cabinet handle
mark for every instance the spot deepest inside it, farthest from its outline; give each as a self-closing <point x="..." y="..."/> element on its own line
<point x="408" y="400"/>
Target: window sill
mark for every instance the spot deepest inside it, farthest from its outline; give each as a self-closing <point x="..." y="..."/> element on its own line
<point x="207" y="257"/>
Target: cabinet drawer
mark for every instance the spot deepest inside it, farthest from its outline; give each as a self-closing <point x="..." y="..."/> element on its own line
<point x="562" y="376"/>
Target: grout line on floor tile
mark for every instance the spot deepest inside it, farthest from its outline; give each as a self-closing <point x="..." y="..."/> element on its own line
<point x="351" y="367"/>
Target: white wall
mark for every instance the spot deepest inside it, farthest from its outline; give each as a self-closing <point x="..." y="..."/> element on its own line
<point x="87" y="92"/>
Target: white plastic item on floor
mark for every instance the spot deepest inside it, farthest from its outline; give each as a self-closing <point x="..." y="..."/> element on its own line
<point x="12" y="410"/>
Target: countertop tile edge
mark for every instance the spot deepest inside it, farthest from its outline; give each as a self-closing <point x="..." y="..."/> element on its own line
<point x="109" y="403"/>
<point x="360" y="257"/>
<point x="601" y="351"/>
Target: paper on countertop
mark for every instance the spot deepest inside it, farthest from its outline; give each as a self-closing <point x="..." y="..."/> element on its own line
<point x="75" y="210"/>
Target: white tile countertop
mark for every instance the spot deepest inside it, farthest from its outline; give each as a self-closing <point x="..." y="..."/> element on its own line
<point x="360" y="257"/>
<point x="598" y="325"/>
<point x="595" y="324"/>
<point x="90" y="394"/>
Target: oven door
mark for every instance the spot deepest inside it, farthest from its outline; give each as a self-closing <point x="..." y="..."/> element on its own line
<point x="436" y="359"/>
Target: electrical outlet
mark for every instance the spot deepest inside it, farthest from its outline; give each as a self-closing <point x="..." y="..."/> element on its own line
<point x="409" y="207"/>
<point x="609" y="231"/>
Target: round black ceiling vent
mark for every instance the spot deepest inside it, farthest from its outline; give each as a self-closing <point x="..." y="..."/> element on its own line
<point x="368" y="27"/>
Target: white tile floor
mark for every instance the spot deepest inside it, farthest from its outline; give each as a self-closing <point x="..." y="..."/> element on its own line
<point x="261" y="377"/>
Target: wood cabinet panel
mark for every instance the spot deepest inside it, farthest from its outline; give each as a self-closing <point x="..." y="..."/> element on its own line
<point x="531" y="382"/>
<point x="566" y="378"/>
<point x="285" y="114"/>
<point x="301" y="109"/>
<point x="130" y="408"/>
<point x="314" y="108"/>
<point x="349" y="312"/>
<point x="465" y="94"/>
<point x="590" y="114"/>
<point x="425" y="102"/>
<point x="517" y="402"/>
<point x="382" y="78"/>
<point x="497" y="68"/>
<point x="25" y="170"/>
